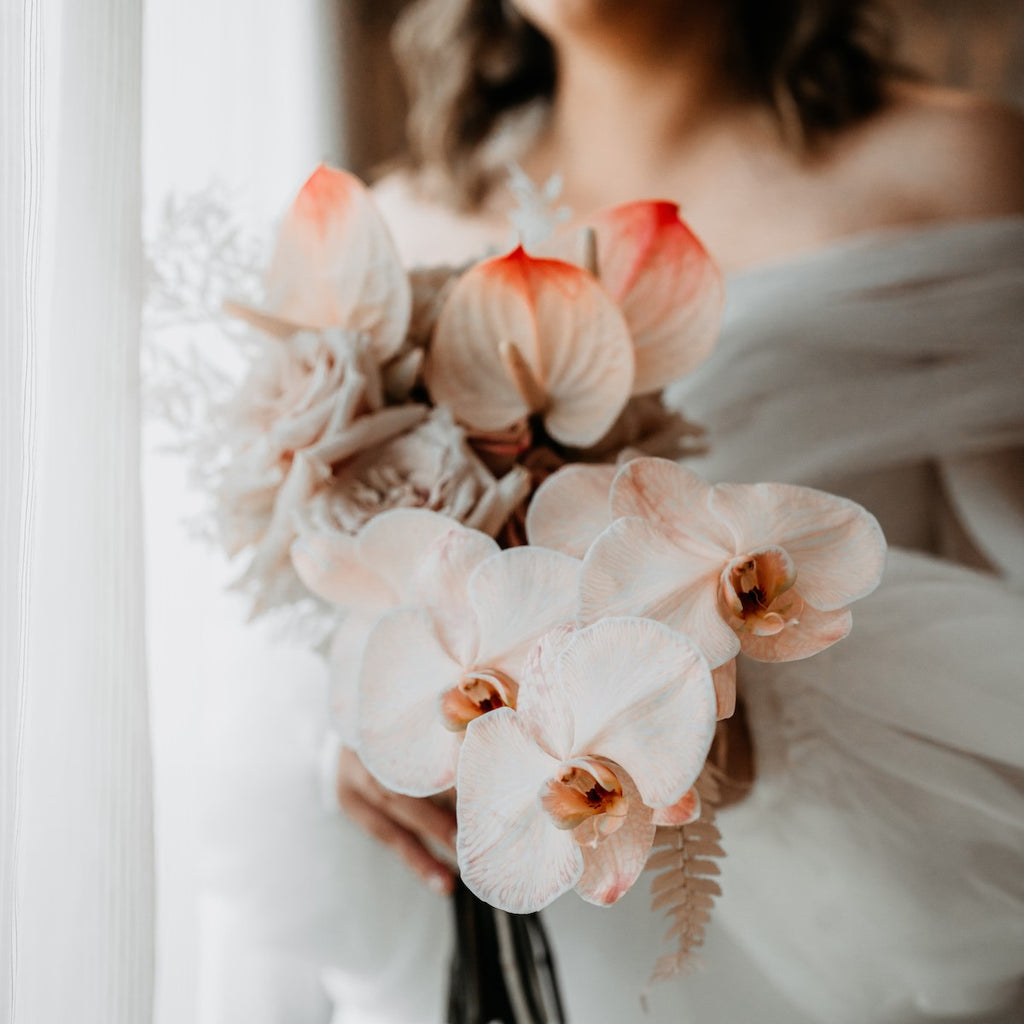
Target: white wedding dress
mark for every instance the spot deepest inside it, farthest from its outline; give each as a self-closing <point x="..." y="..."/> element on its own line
<point x="876" y="871"/>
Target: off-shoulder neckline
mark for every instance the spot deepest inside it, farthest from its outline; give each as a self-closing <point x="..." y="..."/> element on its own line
<point x="885" y="237"/>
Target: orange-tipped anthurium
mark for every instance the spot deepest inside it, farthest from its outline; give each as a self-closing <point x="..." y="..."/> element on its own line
<point x="335" y="265"/>
<point x="668" y="287"/>
<point x="614" y="723"/>
<point x="521" y="336"/>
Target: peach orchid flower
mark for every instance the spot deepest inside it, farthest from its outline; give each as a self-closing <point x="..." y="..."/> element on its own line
<point x="766" y="568"/>
<point x="614" y="722"/>
<point x="519" y="336"/>
<point x="570" y="510"/>
<point x="335" y="265"/>
<point x="453" y="656"/>
<point x="379" y="569"/>
<point x="668" y="287"/>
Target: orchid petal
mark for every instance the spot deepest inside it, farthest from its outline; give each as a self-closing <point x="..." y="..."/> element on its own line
<point x="810" y="633"/>
<point x="669" y="289"/>
<point x="571" y="508"/>
<point x="440" y="586"/>
<point x="837" y="546"/>
<point x="612" y="866"/>
<point x="510" y="854"/>
<point x="519" y="595"/>
<point x="402" y="739"/>
<point x="335" y="264"/>
<point x="543" y="705"/>
<point x="329" y="564"/>
<point x="519" y="335"/>
<point x="345" y="657"/>
<point x="724" y="678"/>
<point x="677" y="501"/>
<point x="643" y="698"/>
<point x="635" y="569"/>
<point x="393" y="542"/>
<point x="683" y="812"/>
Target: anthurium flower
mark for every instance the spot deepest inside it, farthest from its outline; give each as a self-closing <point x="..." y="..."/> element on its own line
<point x="766" y="568"/>
<point x="668" y="287"/>
<point x="335" y="265"/>
<point x="613" y="725"/>
<point x="519" y="336"/>
<point x="451" y="657"/>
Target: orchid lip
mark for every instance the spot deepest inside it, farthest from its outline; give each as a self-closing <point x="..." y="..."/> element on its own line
<point x="756" y="592"/>
<point x="586" y="796"/>
<point x="479" y="691"/>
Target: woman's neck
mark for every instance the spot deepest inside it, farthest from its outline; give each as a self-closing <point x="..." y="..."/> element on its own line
<point x="631" y="98"/>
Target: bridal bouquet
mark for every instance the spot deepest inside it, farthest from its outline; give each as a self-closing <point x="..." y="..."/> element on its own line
<point x="538" y="605"/>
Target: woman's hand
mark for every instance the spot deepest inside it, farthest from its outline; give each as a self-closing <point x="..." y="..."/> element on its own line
<point x="404" y="823"/>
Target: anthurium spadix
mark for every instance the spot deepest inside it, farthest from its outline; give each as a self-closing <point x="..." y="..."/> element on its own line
<point x="613" y="725"/>
<point x="766" y="568"/>
<point x="519" y="336"/>
<point x="669" y="289"/>
<point x="454" y="654"/>
<point x="335" y="265"/>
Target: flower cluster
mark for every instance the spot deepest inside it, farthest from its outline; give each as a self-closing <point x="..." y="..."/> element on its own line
<point x="532" y="610"/>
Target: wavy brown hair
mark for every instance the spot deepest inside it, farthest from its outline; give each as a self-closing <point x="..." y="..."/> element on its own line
<point x="818" y="65"/>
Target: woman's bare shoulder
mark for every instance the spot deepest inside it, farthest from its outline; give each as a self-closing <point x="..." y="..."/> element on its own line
<point x="954" y="154"/>
<point x="429" y="232"/>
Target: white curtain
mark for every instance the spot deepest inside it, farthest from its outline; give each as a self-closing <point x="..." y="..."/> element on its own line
<point x="76" y="852"/>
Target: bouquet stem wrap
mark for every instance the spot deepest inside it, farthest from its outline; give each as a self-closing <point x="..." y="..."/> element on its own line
<point x="502" y="968"/>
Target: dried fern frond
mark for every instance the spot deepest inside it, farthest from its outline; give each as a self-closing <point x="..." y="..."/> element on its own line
<point x="684" y="888"/>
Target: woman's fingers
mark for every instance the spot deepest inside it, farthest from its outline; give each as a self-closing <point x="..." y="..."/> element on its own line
<point x="423" y="817"/>
<point x="409" y="848"/>
<point x="400" y="822"/>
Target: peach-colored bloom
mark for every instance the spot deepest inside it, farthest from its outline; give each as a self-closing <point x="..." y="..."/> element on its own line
<point x="335" y="265"/>
<point x="571" y="508"/>
<point x="401" y="557"/>
<point x="613" y="726"/>
<point x="310" y="402"/>
<point x="766" y="568"/>
<point x="669" y="289"/>
<point x="455" y="654"/>
<point x="519" y="336"/>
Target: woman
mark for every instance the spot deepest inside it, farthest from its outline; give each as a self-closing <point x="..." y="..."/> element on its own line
<point x="872" y="235"/>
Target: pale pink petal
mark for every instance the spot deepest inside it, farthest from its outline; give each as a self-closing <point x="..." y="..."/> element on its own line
<point x="440" y="586"/>
<point x="677" y="501"/>
<point x="669" y="289"/>
<point x="724" y="678"/>
<point x="394" y="542"/>
<point x="642" y="697"/>
<point x="684" y="811"/>
<point x="465" y="370"/>
<point x="838" y="547"/>
<point x="543" y="705"/>
<point x="345" y="660"/>
<point x="518" y="595"/>
<point x="402" y="739"/>
<point x="571" y="508"/>
<point x="510" y="853"/>
<point x="336" y="265"/>
<point x="519" y="335"/>
<point x="611" y="867"/>
<point x="635" y="569"/>
<point x="812" y="632"/>
<point x="329" y="564"/>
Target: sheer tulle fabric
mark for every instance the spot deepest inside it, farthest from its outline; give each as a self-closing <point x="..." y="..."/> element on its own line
<point x="873" y="875"/>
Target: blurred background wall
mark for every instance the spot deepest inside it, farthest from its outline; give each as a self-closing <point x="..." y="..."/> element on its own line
<point x="976" y="44"/>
